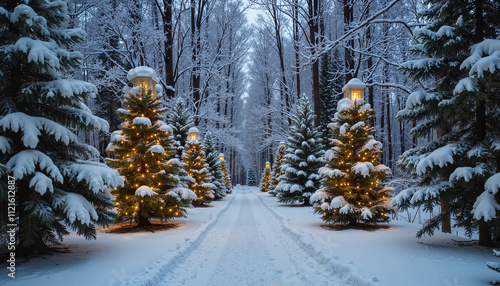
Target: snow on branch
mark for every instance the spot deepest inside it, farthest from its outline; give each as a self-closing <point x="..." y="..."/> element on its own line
<point x="439" y="157"/>
<point x="97" y="175"/>
<point x="182" y="193"/>
<point x="466" y="84"/>
<point x="25" y="162"/>
<point x="5" y="144"/>
<point x="41" y="183"/>
<point x="141" y="121"/>
<point x="68" y="88"/>
<point x="77" y="207"/>
<point x="485" y="206"/>
<point x="38" y="51"/>
<point x="143" y="191"/>
<point x="493" y="184"/>
<point x="32" y="127"/>
<point x="362" y="168"/>
<point x="87" y="118"/>
<point x="485" y="56"/>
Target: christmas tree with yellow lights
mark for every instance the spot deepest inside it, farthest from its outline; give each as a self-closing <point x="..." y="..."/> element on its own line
<point x="227" y="175"/>
<point x="265" y="183"/>
<point x="195" y="164"/>
<point x="351" y="191"/>
<point x="143" y="152"/>
<point x="276" y="170"/>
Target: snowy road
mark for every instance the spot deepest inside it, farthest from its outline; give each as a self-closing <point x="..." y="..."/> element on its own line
<point x="247" y="246"/>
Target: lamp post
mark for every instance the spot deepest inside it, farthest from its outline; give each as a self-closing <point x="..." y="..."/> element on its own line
<point x="221" y="156"/>
<point x="354" y="89"/>
<point x="144" y="77"/>
<point x="268" y="165"/>
<point x="193" y="134"/>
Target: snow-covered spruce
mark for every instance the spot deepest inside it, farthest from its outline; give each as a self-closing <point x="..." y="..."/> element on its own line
<point x="462" y="108"/>
<point x="276" y="170"/>
<point x="214" y="168"/>
<point x="194" y="163"/>
<point x="331" y="81"/>
<point x="265" y="182"/>
<point x="143" y="153"/>
<point x="60" y="188"/>
<point x="180" y="120"/>
<point x="351" y="190"/>
<point x="303" y="158"/>
<point x="251" y="178"/>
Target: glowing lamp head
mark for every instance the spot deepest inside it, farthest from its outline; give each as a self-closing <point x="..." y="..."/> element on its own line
<point x="194" y="134"/>
<point x="143" y="77"/>
<point x="354" y="89"/>
<point x="268" y="165"/>
<point x="221" y="156"/>
<point x="282" y="144"/>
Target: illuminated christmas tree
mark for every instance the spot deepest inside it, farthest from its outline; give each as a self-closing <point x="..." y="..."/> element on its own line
<point x="143" y="152"/>
<point x="265" y="183"/>
<point x="195" y="164"/>
<point x="276" y="170"/>
<point x="227" y="175"/>
<point x="351" y="191"/>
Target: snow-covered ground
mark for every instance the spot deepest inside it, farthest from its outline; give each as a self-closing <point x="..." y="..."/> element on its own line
<point x="113" y="258"/>
<point x="250" y="239"/>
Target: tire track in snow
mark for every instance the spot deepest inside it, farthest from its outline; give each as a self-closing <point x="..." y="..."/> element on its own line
<point x="248" y="247"/>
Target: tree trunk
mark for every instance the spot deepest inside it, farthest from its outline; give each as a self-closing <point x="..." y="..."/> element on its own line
<point x="348" y="54"/>
<point x="313" y="23"/>
<point x="196" y="19"/>
<point x="446" y="221"/>
<point x="484" y="234"/>
<point x="168" y="45"/>
<point x="296" y="45"/>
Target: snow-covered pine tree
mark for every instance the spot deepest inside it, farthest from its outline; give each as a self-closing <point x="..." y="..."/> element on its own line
<point x="276" y="170"/>
<point x="214" y="168"/>
<point x="181" y="121"/>
<point x="60" y="183"/>
<point x="251" y="179"/>
<point x="331" y="81"/>
<point x="143" y="150"/>
<point x="303" y="158"/>
<point x="461" y="105"/>
<point x="265" y="182"/>
<point x="194" y="162"/>
<point x="351" y="190"/>
<point x="227" y="175"/>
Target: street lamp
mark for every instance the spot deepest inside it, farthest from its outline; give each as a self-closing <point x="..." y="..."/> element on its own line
<point x="354" y="89"/>
<point x="193" y="133"/>
<point x="144" y="77"/>
<point x="221" y="156"/>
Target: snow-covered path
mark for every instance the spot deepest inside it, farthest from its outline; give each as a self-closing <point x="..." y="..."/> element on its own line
<point x="247" y="246"/>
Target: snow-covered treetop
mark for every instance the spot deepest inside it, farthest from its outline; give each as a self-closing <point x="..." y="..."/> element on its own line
<point x="355" y="82"/>
<point x="142" y="71"/>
